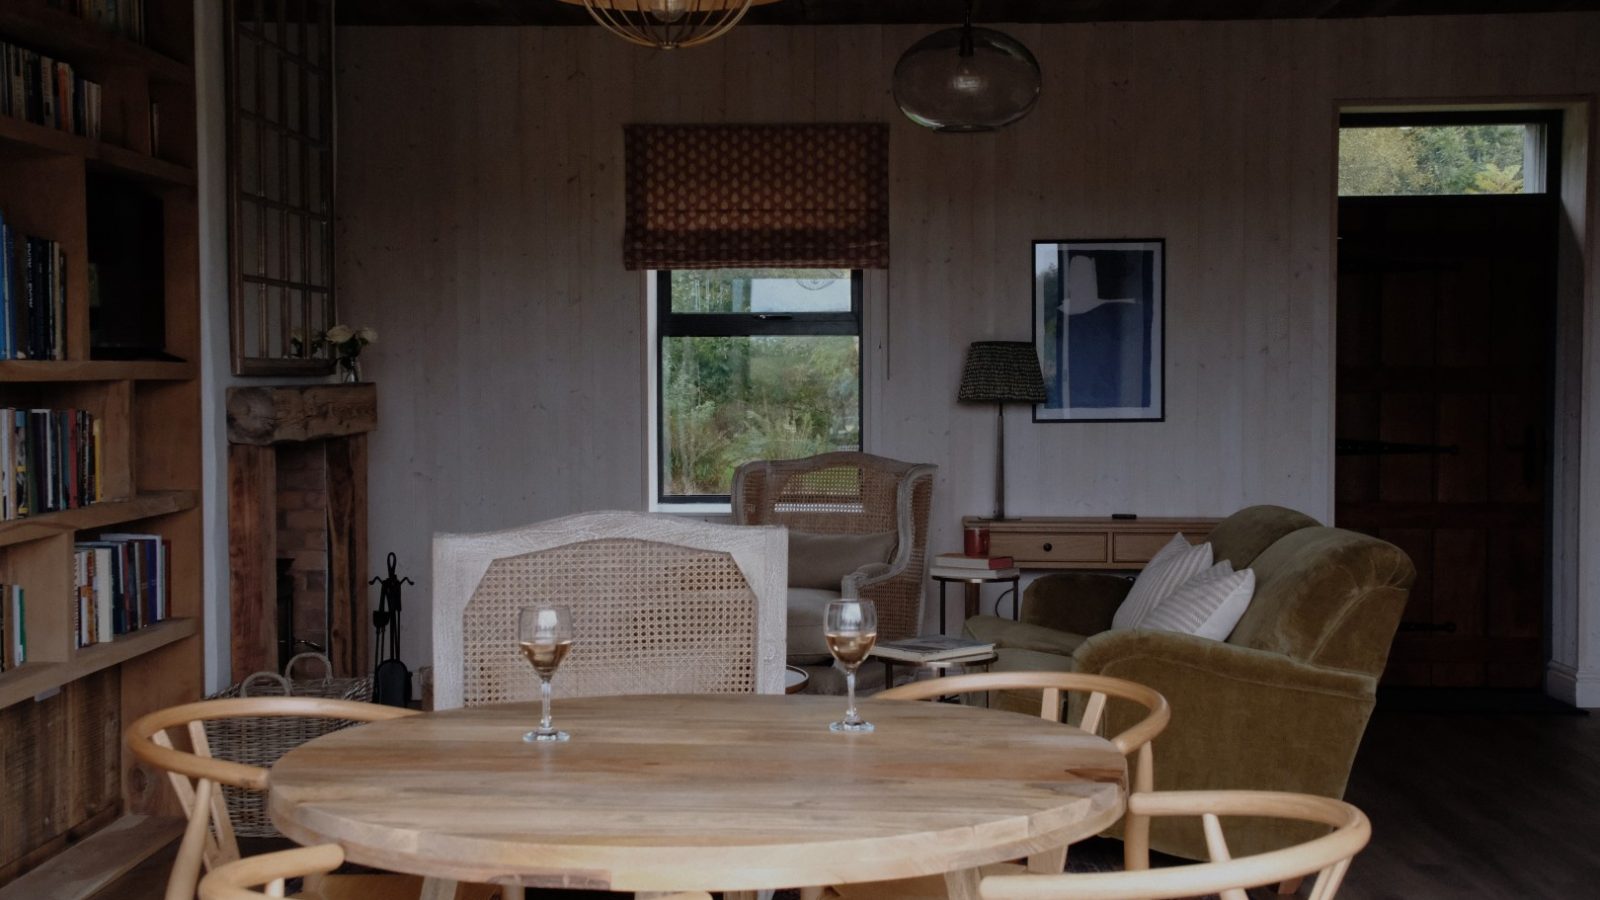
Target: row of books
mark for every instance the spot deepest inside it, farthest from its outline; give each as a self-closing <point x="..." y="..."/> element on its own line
<point x="49" y="460"/>
<point x="123" y="17"/>
<point x="13" y="630"/>
<point x="48" y="92"/>
<point x="33" y="297"/>
<point x="121" y="582"/>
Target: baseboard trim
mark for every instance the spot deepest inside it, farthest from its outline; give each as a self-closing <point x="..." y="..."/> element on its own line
<point x="1570" y="685"/>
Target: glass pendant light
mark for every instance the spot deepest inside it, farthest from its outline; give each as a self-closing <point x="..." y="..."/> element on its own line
<point x="665" y="24"/>
<point x="966" y="79"/>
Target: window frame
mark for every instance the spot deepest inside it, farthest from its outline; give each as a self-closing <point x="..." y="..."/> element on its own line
<point x="663" y="323"/>
<point x="1550" y="119"/>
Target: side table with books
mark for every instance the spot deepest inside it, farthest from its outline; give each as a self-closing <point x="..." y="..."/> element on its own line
<point x="937" y="653"/>
<point x="974" y="572"/>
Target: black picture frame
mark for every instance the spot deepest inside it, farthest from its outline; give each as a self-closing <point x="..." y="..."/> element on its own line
<point x="1112" y="367"/>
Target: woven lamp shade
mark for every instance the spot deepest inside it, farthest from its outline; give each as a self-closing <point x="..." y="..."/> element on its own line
<point x="1001" y="372"/>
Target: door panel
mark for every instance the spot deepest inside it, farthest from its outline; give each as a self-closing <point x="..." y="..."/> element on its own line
<point x="1442" y="414"/>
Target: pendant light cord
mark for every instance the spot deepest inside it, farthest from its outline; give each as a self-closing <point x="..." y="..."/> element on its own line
<point x="966" y="32"/>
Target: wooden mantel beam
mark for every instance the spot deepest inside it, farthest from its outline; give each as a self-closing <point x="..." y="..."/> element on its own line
<point x="310" y="412"/>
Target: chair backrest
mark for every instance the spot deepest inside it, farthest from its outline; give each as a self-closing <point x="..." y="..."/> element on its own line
<point x="209" y="839"/>
<point x="850" y="493"/>
<point x="1328" y="856"/>
<point x="660" y="605"/>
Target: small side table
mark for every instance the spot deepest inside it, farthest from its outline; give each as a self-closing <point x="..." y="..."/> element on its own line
<point x="974" y="583"/>
<point x="795" y="679"/>
<point x="940" y="667"/>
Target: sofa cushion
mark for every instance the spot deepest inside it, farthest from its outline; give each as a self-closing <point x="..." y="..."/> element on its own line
<point x="1021" y="635"/>
<point x="1241" y="537"/>
<point x="1328" y="596"/>
<point x="1174" y="564"/>
<point x="1207" y="605"/>
<point x="822" y="561"/>
<point x="808" y="607"/>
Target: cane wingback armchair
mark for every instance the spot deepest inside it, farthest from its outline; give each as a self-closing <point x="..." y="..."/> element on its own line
<point x="661" y="605"/>
<point x="849" y="493"/>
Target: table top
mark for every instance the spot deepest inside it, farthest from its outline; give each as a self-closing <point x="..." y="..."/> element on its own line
<point x="704" y="792"/>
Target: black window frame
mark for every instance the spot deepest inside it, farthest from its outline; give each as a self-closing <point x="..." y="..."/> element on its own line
<point x="1550" y="119"/>
<point x="671" y="324"/>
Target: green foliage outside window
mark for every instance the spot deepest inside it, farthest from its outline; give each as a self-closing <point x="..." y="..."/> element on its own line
<point x="1442" y="159"/>
<point x="729" y="400"/>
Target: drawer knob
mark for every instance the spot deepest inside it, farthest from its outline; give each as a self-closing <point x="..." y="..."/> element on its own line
<point x="1048" y="547"/>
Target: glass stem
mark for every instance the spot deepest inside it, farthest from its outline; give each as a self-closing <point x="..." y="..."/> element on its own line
<point x="544" y="702"/>
<point x="850" y="687"/>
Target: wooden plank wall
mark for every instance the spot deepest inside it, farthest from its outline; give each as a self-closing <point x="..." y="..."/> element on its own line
<point x="481" y="220"/>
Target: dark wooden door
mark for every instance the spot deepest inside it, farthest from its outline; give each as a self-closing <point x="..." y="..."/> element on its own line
<point x="1445" y="312"/>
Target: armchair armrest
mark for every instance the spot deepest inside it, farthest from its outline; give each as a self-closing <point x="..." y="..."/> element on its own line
<point x="1077" y="602"/>
<point x="866" y="576"/>
<point x="1241" y="719"/>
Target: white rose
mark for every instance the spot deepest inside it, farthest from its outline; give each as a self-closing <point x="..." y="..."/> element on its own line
<point x="338" y="334"/>
<point x="368" y="334"/>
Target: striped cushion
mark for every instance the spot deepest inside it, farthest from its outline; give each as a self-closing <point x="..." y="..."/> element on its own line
<point x="1176" y="563"/>
<point x="1207" y="605"/>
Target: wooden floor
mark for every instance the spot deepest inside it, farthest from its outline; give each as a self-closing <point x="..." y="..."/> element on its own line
<point x="1462" y="805"/>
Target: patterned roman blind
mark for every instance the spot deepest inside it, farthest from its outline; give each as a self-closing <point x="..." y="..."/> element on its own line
<point x="724" y="196"/>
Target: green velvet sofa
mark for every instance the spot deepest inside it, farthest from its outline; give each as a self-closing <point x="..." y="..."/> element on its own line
<point x="1280" y="705"/>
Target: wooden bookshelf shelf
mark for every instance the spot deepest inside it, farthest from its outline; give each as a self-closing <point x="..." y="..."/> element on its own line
<point x="92" y="864"/>
<point x="100" y="515"/>
<point x="100" y="200"/>
<point x="68" y="37"/>
<point x="28" y="139"/>
<point x="31" y="679"/>
<point x="30" y="370"/>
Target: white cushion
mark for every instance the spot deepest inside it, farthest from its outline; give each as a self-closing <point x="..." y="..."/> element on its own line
<point x="1207" y="605"/>
<point x="1176" y="563"/>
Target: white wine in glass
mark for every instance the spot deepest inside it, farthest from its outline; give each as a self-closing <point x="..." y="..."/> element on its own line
<point x="851" y="628"/>
<point x="544" y="634"/>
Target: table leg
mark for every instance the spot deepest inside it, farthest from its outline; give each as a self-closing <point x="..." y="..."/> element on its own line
<point x="974" y="595"/>
<point x="1048" y="862"/>
<point x="438" y="889"/>
<point x="512" y="892"/>
<point x="941" y="607"/>
<point x="962" y="884"/>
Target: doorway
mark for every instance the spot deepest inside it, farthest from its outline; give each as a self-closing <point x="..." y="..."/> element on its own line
<point x="1444" y="388"/>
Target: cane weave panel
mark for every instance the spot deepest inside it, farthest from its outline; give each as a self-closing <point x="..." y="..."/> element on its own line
<point x="648" y="618"/>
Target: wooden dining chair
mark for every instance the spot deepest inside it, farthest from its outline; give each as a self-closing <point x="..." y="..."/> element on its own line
<point x="197" y="778"/>
<point x="1054" y="688"/>
<point x="660" y="606"/>
<point x="1327" y="856"/>
<point x="270" y="872"/>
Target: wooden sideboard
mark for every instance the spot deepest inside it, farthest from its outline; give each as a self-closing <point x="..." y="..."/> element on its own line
<point x="1087" y="542"/>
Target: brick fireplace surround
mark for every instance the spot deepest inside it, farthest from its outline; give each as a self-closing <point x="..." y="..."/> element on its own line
<point x="297" y="491"/>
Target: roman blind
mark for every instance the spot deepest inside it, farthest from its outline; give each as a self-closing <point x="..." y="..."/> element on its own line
<point x="724" y="196"/>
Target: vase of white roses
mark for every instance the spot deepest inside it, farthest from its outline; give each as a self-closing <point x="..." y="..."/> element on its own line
<point x="345" y="343"/>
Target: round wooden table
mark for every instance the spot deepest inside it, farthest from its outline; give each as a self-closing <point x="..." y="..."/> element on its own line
<point x="706" y="792"/>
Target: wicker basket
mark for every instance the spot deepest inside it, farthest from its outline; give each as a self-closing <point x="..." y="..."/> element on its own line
<point x="260" y="741"/>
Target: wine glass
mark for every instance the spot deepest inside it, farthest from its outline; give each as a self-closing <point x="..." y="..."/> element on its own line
<point x="544" y="634"/>
<point x="851" y="628"/>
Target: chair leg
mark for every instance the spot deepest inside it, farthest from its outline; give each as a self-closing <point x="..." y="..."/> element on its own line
<point x="812" y="893"/>
<point x="1136" y="829"/>
<point x="438" y="889"/>
<point x="1290" y="886"/>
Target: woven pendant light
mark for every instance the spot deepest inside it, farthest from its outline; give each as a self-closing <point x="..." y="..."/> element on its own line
<point x="666" y="24"/>
<point x="966" y="79"/>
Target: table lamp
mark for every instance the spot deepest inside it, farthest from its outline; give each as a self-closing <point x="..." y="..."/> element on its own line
<point x="1001" y="372"/>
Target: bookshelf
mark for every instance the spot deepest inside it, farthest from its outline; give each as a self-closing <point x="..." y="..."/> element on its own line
<point x="62" y="711"/>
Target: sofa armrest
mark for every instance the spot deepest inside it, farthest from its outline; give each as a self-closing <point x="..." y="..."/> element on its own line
<point x="1076" y="602"/>
<point x="1241" y="719"/>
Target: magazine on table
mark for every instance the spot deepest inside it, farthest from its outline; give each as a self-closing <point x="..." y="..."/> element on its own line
<point x="933" y="648"/>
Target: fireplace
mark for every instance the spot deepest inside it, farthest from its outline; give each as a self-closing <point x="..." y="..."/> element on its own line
<point x="297" y="524"/>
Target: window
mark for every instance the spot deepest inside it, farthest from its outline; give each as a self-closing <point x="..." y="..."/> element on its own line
<point x="752" y="364"/>
<point x="1420" y="154"/>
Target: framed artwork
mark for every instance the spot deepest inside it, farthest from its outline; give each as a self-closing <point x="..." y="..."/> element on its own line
<point x="1099" y="327"/>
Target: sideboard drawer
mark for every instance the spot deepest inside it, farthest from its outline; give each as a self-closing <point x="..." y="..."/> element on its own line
<point x="1049" y="549"/>
<point x="1138" y="547"/>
